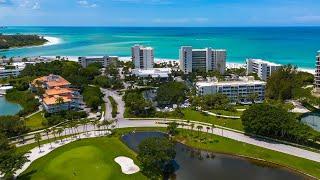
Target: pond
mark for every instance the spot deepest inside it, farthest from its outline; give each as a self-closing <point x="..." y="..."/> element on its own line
<point x="8" y="108"/>
<point x="312" y="120"/>
<point x="196" y="164"/>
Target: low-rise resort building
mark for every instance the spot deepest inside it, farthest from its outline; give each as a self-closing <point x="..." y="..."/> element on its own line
<point x="238" y="91"/>
<point x="162" y="73"/>
<point x="262" y="68"/>
<point x="58" y="94"/>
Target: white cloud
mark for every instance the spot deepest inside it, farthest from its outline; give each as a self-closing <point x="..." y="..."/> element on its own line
<point x="30" y="4"/>
<point x="36" y="5"/>
<point x="87" y="4"/>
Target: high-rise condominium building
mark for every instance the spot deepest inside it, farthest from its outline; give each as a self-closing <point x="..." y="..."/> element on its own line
<point x="142" y="57"/>
<point x="208" y="59"/>
<point x="262" y="68"/>
<point x="317" y="74"/>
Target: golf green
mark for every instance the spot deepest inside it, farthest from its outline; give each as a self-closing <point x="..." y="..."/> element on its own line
<point x="83" y="159"/>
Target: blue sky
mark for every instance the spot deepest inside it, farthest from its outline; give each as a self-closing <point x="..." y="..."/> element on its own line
<point x="160" y="12"/>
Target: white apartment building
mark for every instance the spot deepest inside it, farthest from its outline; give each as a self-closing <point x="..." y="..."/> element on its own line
<point x="208" y="59"/>
<point x="237" y="91"/>
<point x="317" y="74"/>
<point x="142" y="57"/>
<point x="262" y="68"/>
<point x="105" y="61"/>
<point x="162" y="73"/>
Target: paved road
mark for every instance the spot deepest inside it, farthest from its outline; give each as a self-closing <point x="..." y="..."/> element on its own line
<point x="288" y="149"/>
<point x="108" y="110"/>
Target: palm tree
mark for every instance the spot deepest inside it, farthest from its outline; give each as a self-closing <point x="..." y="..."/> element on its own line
<point x="59" y="101"/>
<point x="54" y="132"/>
<point x="47" y="131"/>
<point x="199" y="127"/>
<point x="37" y="137"/>
<point x="99" y="125"/>
<point x="60" y="131"/>
<point x="212" y="127"/>
<point x="94" y="124"/>
<point x="192" y="126"/>
<point x="208" y="128"/>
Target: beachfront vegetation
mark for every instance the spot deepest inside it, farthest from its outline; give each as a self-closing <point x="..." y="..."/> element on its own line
<point x="85" y="159"/>
<point x="276" y="122"/>
<point x="20" y="40"/>
<point x="156" y="156"/>
<point x="10" y="159"/>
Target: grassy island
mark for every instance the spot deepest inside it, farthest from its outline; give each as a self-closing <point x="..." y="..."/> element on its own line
<point x="19" y="40"/>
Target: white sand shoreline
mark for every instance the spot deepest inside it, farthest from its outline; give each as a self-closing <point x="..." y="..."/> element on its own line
<point x="160" y="60"/>
<point x="51" y="41"/>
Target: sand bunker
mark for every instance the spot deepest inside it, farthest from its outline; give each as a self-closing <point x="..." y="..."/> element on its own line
<point x="127" y="165"/>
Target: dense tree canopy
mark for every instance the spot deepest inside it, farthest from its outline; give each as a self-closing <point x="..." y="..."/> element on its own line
<point x="287" y="82"/>
<point x="171" y="93"/>
<point x="92" y="96"/>
<point x="136" y="104"/>
<point x="156" y="156"/>
<point x="19" y="40"/>
<point x="10" y="160"/>
<point x="11" y="125"/>
<point x="276" y="122"/>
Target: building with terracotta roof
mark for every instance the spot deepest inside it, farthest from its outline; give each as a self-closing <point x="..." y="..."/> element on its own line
<point x="58" y="94"/>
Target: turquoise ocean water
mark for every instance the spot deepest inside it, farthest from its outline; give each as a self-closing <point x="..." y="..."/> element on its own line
<point x="295" y="45"/>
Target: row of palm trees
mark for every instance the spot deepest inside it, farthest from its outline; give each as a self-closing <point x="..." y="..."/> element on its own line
<point x="198" y="127"/>
<point x="72" y="129"/>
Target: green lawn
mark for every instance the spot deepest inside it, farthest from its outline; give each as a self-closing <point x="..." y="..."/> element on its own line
<point x="36" y="121"/>
<point x="202" y="117"/>
<point x="84" y="159"/>
<point x="227" y="113"/>
<point x="224" y="145"/>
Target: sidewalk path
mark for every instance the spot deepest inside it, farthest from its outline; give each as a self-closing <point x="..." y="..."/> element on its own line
<point x="272" y="145"/>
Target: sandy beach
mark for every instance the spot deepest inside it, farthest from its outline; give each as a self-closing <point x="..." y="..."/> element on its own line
<point x="51" y="40"/>
<point x="229" y="65"/>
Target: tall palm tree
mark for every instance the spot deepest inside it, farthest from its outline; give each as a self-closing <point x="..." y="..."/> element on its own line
<point x="37" y="137"/>
<point x="99" y="125"/>
<point x="199" y="127"/>
<point x="47" y="131"/>
<point x="208" y="128"/>
<point x="212" y="127"/>
<point x="54" y="132"/>
<point x="60" y="131"/>
<point x="192" y="126"/>
<point x="94" y="124"/>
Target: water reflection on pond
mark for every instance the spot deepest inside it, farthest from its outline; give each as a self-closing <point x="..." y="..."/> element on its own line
<point x="196" y="164"/>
